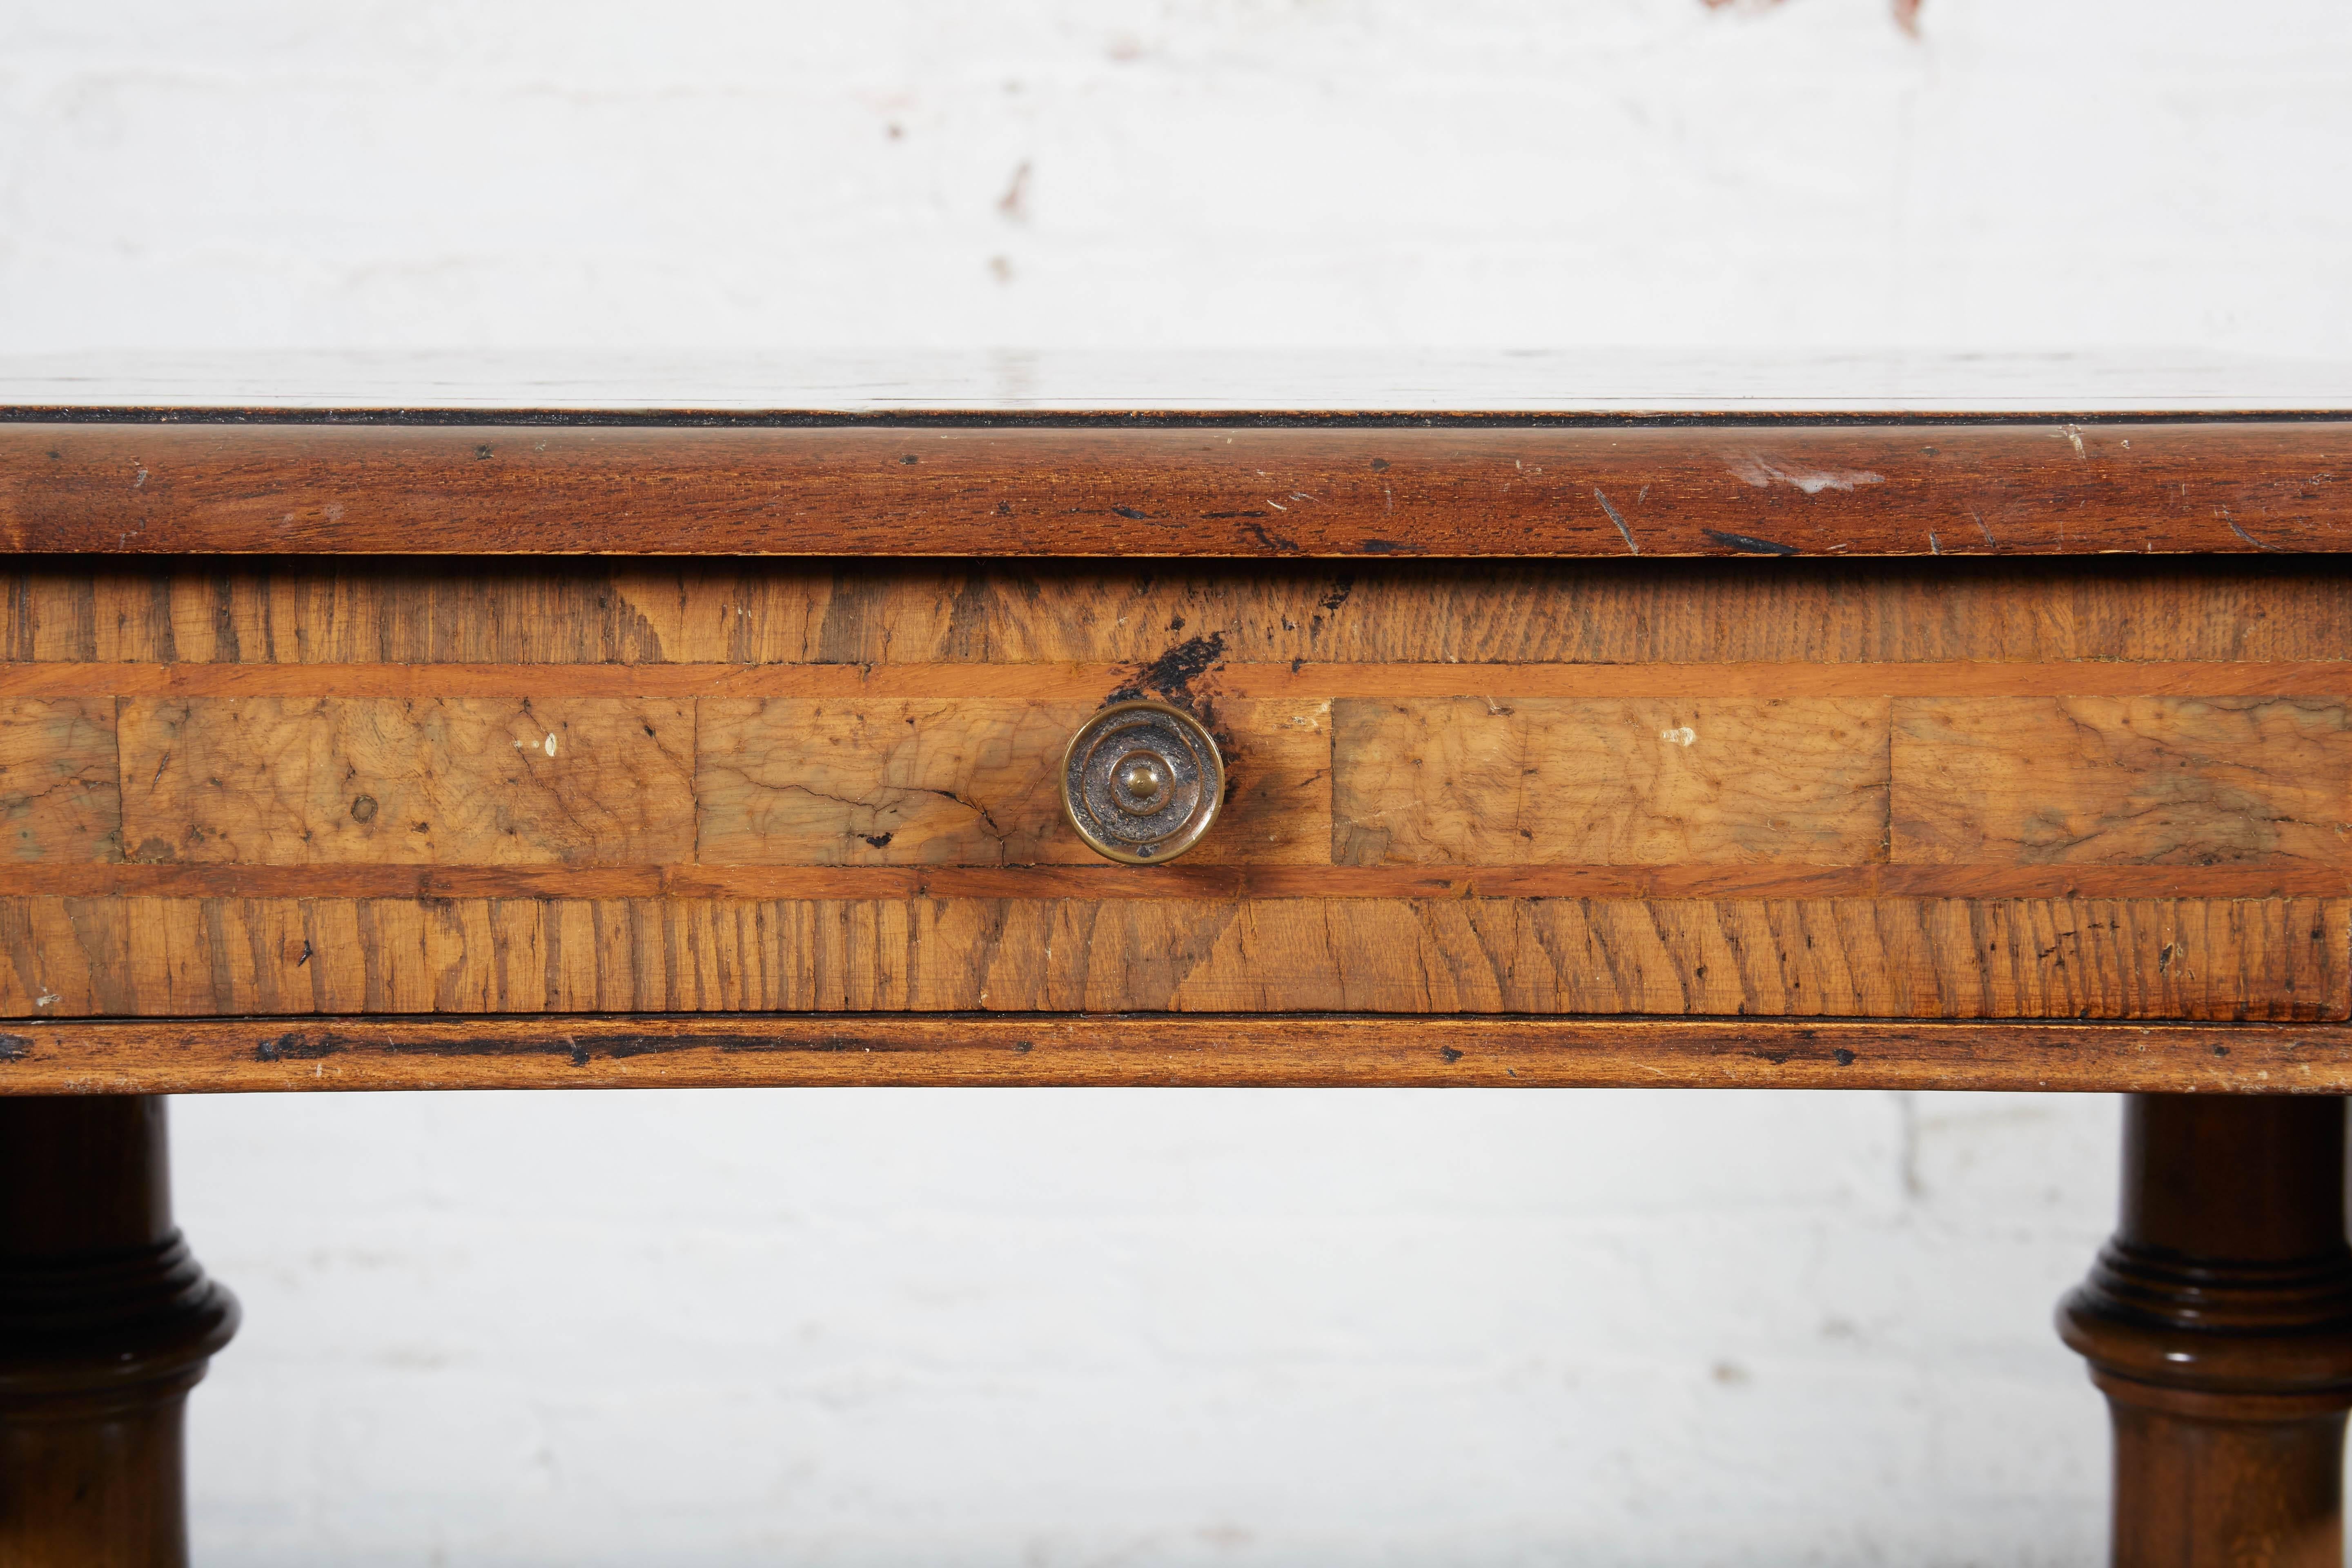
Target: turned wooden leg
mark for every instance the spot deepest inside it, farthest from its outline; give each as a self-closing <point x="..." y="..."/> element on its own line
<point x="2217" y="1321"/>
<point x="106" y="1323"/>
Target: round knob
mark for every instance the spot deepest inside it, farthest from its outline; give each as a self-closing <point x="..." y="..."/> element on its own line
<point x="1142" y="782"/>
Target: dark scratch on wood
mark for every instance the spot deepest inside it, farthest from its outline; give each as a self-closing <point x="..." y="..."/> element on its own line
<point x="1616" y="519"/>
<point x="1741" y="541"/>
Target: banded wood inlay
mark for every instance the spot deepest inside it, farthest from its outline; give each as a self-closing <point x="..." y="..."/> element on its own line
<point x="559" y="610"/>
<point x="294" y="788"/>
<point x="2073" y="958"/>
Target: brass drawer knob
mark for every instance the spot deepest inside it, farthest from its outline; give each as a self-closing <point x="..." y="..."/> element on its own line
<point x="1142" y="782"/>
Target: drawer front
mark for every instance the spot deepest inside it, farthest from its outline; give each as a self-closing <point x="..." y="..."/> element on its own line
<point x="1918" y="790"/>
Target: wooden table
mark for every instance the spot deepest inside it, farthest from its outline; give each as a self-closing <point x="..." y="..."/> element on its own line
<point x="1858" y="724"/>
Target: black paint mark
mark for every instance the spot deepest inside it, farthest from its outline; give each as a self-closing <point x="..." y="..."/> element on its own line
<point x="1752" y="546"/>
<point x="879" y="840"/>
<point x="1449" y="1053"/>
<point x="1176" y="624"/>
<point x="481" y="454"/>
<point x="295" y="1045"/>
<point x="14" y="1048"/>
<point x="1172" y="673"/>
<point x="1844" y="1057"/>
<point x="1022" y="1046"/>
<point x="909" y="461"/>
<point x="2220" y="1051"/>
<point x="1340" y="588"/>
<point x="1272" y="541"/>
<point x="1381" y="547"/>
<point x="1379" y="462"/>
<point x="1129" y="513"/>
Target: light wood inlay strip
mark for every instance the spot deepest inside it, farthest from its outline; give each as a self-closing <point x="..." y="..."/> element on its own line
<point x="182" y="1056"/>
<point x="1094" y="682"/>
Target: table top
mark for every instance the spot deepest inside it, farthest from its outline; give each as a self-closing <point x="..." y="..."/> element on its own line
<point x="1092" y="454"/>
<point x="1059" y="385"/>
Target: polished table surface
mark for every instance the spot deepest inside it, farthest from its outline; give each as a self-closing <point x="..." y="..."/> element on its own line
<point x="1896" y="722"/>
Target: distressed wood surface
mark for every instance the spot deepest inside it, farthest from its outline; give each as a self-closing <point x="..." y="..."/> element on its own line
<point x="1117" y="489"/>
<point x="60" y="800"/>
<point x="1482" y="782"/>
<point x="1773" y="788"/>
<point x="2134" y="780"/>
<point x="1187" y="879"/>
<point x="2078" y="958"/>
<point x="198" y="1056"/>
<point x="1087" y="684"/>
<point x="1799" y="616"/>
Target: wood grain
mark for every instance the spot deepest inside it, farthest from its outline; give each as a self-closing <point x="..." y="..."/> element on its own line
<point x="239" y="1055"/>
<point x="2137" y="781"/>
<point x="60" y="802"/>
<point x="1091" y="685"/>
<point x="1187" y="879"/>
<point x="462" y="781"/>
<point x="1115" y="488"/>
<point x="1481" y="783"/>
<point x="2217" y="1321"/>
<point x="1893" y="958"/>
<point x="705" y="836"/>
<point x="585" y="612"/>
<point x="974" y="782"/>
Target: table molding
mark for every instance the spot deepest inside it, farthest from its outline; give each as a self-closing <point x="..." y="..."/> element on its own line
<point x="183" y="1055"/>
<point x="1120" y="487"/>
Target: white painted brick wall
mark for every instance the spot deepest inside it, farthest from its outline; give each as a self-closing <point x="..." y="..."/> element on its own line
<point x="1063" y="1328"/>
<point x="1084" y="1327"/>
